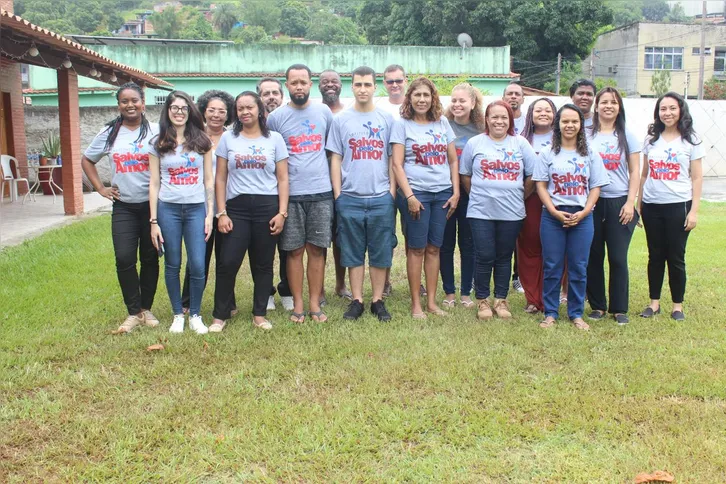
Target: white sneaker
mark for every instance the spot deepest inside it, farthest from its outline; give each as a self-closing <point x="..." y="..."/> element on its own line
<point x="177" y="326"/>
<point x="287" y="303"/>
<point x="517" y="285"/>
<point x="197" y="325"/>
<point x="149" y="319"/>
<point x="271" y="303"/>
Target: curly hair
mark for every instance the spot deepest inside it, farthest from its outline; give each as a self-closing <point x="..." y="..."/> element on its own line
<point x="195" y="139"/>
<point x="261" y="115"/>
<point x="476" y="117"/>
<point x="113" y="127"/>
<point x="225" y="97"/>
<point x="435" y="111"/>
<point x="685" y="121"/>
<point x="528" y="130"/>
<point x="581" y="147"/>
<point x="510" y="113"/>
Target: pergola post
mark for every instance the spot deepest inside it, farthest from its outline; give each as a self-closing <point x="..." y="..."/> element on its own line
<point x="70" y="136"/>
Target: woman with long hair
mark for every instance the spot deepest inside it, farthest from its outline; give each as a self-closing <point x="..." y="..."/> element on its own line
<point x="568" y="182"/>
<point x="252" y="197"/>
<point x="427" y="173"/>
<point x="181" y="195"/>
<point x="466" y="116"/>
<point x="496" y="170"/>
<point x="538" y="132"/>
<point x="217" y="108"/>
<point x="126" y="141"/>
<point x="614" y="217"/>
<point x="670" y="194"/>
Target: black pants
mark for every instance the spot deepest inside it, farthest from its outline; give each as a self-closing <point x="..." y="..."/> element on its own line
<point x="610" y="233"/>
<point x="131" y="232"/>
<point x="250" y="216"/>
<point x="666" y="243"/>
<point x="283" y="287"/>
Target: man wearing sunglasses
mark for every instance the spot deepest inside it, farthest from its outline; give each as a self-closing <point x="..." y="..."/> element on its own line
<point x="395" y="82"/>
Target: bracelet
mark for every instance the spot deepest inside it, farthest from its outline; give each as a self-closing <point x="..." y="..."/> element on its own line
<point x="153" y="221"/>
<point x="410" y="196"/>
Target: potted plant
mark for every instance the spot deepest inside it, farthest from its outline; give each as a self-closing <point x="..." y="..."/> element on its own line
<point x="50" y="152"/>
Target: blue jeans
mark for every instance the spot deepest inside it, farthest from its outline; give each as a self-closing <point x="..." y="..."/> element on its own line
<point x="466" y="250"/>
<point x="365" y="225"/>
<point x="179" y="221"/>
<point x="428" y="229"/>
<point x="573" y="245"/>
<point x="494" y="243"/>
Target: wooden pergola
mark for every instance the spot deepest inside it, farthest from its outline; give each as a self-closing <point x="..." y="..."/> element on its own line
<point x="24" y="42"/>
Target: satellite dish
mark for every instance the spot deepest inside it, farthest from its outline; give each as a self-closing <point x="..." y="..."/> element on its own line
<point x="464" y="41"/>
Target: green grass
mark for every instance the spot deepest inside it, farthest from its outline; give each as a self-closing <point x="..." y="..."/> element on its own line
<point x="445" y="400"/>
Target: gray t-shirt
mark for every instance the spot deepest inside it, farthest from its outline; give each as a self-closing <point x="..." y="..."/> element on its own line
<point x="182" y="176"/>
<point x="426" y="157"/>
<point x="571" y="176"/>
<point x="497" y="171"/>
<point x="541" y="141"/>
<point x="588" y="121"/>
<point x="305" y="132"/>
<point x="669" y="169"/>
<point x="251" y="163"/>
<point x="605" y="146"/>
<point x="519" y="124"/>
<point x="362" y="140"/>
<point x="463" y="132"/>
<point x="129" y="161"/>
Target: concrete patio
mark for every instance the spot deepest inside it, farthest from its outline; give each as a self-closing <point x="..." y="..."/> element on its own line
<point x="19" y="222"/>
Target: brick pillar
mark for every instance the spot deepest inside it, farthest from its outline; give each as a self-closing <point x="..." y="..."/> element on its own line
<point x="11" y="83"/>
<point x="70" y="135"/>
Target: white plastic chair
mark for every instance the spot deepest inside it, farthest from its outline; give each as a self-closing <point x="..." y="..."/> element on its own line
<point x="7" y="162"/>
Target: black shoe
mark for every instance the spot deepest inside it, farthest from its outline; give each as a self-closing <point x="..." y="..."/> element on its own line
<point x="649" y="313"/>
<point x="678" y="316"/>
<point x="596" y="315"/>
<point x="621" y="319"/>
<point x="379" y="309"/>
<point x="354" y="311"/>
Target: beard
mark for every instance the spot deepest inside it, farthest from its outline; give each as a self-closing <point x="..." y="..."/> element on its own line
<point x="331" y="98"/>
<point x="271" y="106"/>
<point x="300" y="100"/>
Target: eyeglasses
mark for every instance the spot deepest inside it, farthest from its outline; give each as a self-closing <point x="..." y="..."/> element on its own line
<point x="179" y="109"/>
<point x="391" y="82"/>
<point x="212" y="112"/>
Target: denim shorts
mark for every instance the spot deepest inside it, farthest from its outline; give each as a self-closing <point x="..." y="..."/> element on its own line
<point x="365" y="224"/>
<point x="430" y="226"/>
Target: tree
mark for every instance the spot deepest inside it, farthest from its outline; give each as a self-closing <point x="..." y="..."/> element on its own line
<point x="294" y="18"/>
<point x="571" y="71"/>
<point x="252" y="34"/>
<point x="262" y="13"/>
<point x="197" y="28"/>
<point x="625" y="13"/>
<point x="677" y="14"/>
<point x="714" y="89"/>
<point x="225" y="17"/>
<point x="660" y="83"/>
<point x="167" y="23"/>
<point x="332" y="29"/>
<point x="655" y="10"/>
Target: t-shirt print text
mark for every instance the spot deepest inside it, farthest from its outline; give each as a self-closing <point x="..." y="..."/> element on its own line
<point x="610" y="154"/>
<point x="573" y="182"/>
<point x="133" y="160"/>
<point x="369" y="147"/>
<point x="308" y="141"/>
<point x="431" y="153"/>
<point x="506" y="167"/>
<point x="668" y="169"/>
<point x="254" y="161"/>
<point x="187" y="174"/>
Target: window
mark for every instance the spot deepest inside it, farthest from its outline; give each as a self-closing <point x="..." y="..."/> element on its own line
<point x="696" y="51"/>
<point x="160" y="100"/>
<point x="664" y="58"/>
<point x="719" y="62"/>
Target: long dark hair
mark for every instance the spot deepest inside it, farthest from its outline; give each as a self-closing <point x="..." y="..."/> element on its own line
<point x="581" y="147"/>
<point x="195" y="139"/>
<point x="528" y="130"/>
<point x="208" y="96"/>
<point x="435" y="111"/>
<point x="619" y="120"/>
<point x="510" y="113"/>
<point x="113" y="127"/>
<point x="685" y="122"/>
<point x="261" y="118"/>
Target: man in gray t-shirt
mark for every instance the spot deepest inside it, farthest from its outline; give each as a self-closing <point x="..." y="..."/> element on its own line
<point x="304" y="126"/>
<point x="514" y="96"/>
<point x="361" y="174"/>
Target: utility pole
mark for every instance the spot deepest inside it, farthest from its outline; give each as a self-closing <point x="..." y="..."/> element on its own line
<point x="592" y="64"/>
<point x="702" y="57"/>
<point x="688" y="84"/>
<point x="559" y="71"/>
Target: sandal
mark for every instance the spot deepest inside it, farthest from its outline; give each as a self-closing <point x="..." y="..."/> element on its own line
<point x="297" y="317"/>
<point x="467" y="303"/>
<point x="345" y="294"/>
<point x="319" y="315"/>
<point x="419" y="316"/>
<point x="217" y="326"/>
<point x="437" y="312"/>
<point x="265" y="324"/>
<point x="531" y="309"/>
<point x="580" y="323"/>
<point x="548" y="323"/>
<point x="448" y="303"/>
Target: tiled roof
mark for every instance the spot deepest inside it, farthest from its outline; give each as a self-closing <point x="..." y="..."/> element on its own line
<point x="244" y="75"/>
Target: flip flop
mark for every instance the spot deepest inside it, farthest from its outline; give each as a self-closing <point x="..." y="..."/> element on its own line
<point x="448" y="303"/>
<point x="345" y="294"/>
<point x="419" y="316"/>
<point x="297" y="317"/>
<point x="467" y="304"/>
<point x="319" y="315"/>
<point x="437" y="312"/>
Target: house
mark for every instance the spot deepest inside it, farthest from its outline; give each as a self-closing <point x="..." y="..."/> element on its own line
<point x="138" y="26"/>
<point x="632" y="54"/>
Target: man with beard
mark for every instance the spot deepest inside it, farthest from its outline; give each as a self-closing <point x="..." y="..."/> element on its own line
<point x="583" y="93"/>
<point x="304" y="126"/>
<point x="514" y="96"/>
<point x="270" y="91"/>
<point x="395" y="82"/>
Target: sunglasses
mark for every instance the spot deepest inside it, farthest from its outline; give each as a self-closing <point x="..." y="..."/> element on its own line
<point x="391" y="82"/>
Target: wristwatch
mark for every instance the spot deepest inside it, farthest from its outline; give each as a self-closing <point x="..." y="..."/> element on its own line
<point x="284" y="214"/>
<point x="223" y="212"/>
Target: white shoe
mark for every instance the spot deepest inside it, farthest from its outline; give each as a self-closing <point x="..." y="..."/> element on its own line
<point x="149" y="319"/>
<point x="177" y="326"/>
<point x="287" y="303"/>
<point x="217" y="326"/>
<point x="197" y="325"/>
<point x="517" y="286"/>
<point x="271" y="303"/>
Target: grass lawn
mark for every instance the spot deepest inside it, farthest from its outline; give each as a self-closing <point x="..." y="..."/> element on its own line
<point x="444" y="400"/>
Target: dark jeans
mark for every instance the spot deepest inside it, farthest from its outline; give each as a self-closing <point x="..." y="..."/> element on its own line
<point x="283" y="287"/>
<point x="250" y="216"/>
<point x="494" y="243"/>
<point x="211" y="247"/>
<point x="608" y="231"/>
<point x="666" y="243"/>
<point x="131" y="233"/>
<point x="560" y="245"/>
<point x="466" y="250"/>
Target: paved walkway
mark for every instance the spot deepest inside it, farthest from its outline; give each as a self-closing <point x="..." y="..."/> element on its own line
<point x="19" y="222"/>
<point x="714" y="189"/>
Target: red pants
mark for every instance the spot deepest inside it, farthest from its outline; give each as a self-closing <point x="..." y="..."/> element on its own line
<point x="529" y="253"/>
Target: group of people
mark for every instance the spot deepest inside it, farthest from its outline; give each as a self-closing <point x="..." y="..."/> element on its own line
<point x="555" y="189"/>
